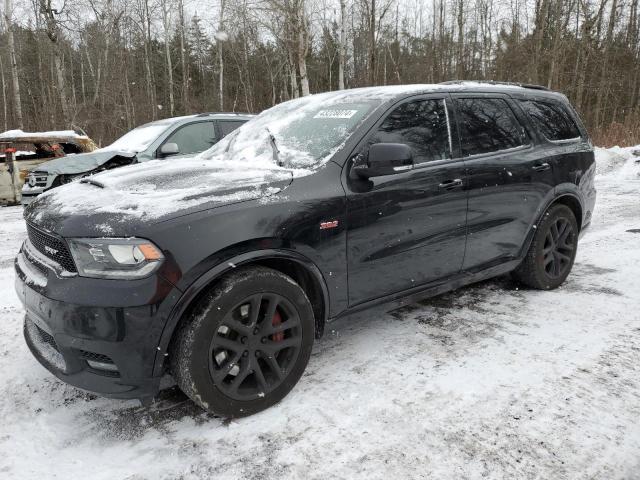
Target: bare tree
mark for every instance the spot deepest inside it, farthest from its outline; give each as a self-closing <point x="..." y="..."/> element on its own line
<point x="17" y="102"/>
<point x="343" y="44"/>
<point x="183" y="62"/>
<point x="166" y="8"/>
<point x="53" y="32"/>
<point x="107" y="68"/>
<point x="221" y="36"/>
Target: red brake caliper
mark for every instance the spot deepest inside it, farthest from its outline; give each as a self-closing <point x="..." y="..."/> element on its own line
<point x="275" y="321"/>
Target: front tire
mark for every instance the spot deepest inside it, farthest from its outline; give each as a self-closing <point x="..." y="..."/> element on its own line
<point x="245" y="344"/>
<point x="552" y="251"/>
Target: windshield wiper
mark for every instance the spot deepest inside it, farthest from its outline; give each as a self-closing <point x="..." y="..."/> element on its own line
<point x="93" y="182"/>
<point x="232" y="139"/>
<point x="274" y="147"/>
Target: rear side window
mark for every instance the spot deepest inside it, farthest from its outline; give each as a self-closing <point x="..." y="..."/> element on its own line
<point x="227" y="127"/>
<point x="551" y="119"/>
<point x="423" y="125"/>
<point x="488" y="125"/>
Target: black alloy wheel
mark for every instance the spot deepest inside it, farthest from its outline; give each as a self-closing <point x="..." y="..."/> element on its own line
<point x="255" y="347"/>
<point x="559" y="245"/>
<point x="553" y="250"/>
<point x="245" y="343"/>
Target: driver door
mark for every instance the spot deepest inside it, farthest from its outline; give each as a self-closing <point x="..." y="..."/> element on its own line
<point x="408" y="229"/>
<point x="193" y="137"/>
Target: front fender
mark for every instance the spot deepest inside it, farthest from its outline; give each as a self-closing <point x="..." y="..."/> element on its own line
<point x="222" y="268"/>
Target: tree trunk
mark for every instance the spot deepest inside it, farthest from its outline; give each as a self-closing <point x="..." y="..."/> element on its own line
<point x="343" y="43"/>
<point x="372" y="43"/>
<point x="460" y="23"/>
<point x="4" y="96"/>
<point x="219" y="42"/>
<point x="601" y="96"/>
<point x="64" y="102"/>
<point x="17" y="102"/>
<point x="183" y="62"/>
<point x="295" y="93"/>
<point x="303" y="47"/>
<point x="151" y="87"/>
<point x="166" y="24"/>
<point x="53" y="33"/>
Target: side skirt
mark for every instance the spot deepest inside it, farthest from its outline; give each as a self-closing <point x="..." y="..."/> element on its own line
<point x="407" y="297"/>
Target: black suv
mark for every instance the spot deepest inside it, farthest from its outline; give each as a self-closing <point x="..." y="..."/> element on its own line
<point x="220" y="271"/>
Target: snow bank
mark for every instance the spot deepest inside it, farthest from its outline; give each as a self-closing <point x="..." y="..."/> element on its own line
<point x="618" y="161"/>
<point x="490" y="381"/>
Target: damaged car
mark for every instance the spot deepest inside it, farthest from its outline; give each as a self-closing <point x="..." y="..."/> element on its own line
<point x="155" y="140"/>
<point x="30" y="149"/>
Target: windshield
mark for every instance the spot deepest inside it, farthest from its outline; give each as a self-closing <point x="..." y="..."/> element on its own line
<point x="302" y="133"/>
<point x="139" y="138"/>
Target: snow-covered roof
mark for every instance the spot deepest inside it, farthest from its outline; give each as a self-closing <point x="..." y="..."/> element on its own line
<point x="38" y="136"/>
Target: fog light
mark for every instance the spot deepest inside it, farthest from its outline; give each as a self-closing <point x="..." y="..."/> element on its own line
<point x="110" y="367"/>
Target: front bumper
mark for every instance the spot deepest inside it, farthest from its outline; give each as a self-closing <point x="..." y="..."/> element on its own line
<point x="26" y="199"/>
<point x="29" y="194"/>
<point x="109" y="350"/>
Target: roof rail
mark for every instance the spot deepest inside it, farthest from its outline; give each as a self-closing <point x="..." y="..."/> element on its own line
<point x="206" y="114"/>
<point x="494" y="82"/>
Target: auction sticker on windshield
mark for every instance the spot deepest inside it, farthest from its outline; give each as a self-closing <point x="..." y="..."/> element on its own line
<point x="335" y="114"/>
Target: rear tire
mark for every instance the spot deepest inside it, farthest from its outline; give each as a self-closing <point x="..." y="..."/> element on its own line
<point x="245" y="344"/>
<point x="552" y="251"/>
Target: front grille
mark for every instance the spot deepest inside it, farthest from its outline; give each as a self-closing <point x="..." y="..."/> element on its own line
<point x="46" y="338"/>
<point x="52" y="247"/>
<point x="40" y="179"/>
<point x="96" y="357"/>
<point x="44" y="346"/>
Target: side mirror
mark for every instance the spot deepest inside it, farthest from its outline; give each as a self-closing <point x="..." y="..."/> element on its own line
<point x="386" y="159"/>
<point x="168" y="149"/>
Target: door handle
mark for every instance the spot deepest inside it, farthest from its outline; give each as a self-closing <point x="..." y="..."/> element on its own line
<point x="541" y="167"/>
<point x="451" y="184"/>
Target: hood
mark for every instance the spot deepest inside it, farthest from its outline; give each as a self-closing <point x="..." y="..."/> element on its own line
<point x="81" y="162"/>
<point x="110" y="202"/>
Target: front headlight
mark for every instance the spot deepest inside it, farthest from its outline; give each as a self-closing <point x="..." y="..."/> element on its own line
<point x="126" y="258"/>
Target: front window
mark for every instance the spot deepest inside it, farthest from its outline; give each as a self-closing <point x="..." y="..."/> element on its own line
<point x="193" y="138"/>
<point x="423" y="125"/>
<point x="302" y="133"/>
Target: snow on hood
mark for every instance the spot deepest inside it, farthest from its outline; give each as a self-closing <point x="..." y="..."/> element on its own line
<point x="81" y="162"/>
<point x="158" y="188"/>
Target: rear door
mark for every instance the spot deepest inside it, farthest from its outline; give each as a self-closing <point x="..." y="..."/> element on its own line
<point x="408" y="229"/>
<point x="567" y="148"/>
<point x="508" y="179"/>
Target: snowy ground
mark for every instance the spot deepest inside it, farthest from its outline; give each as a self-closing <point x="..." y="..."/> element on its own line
<point x="491" y="381"/>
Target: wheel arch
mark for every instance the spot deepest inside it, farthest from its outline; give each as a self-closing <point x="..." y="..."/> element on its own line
<point x="293" y="264"/>
<point x="566" y="198"/>
<point x="573" y="203"/>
